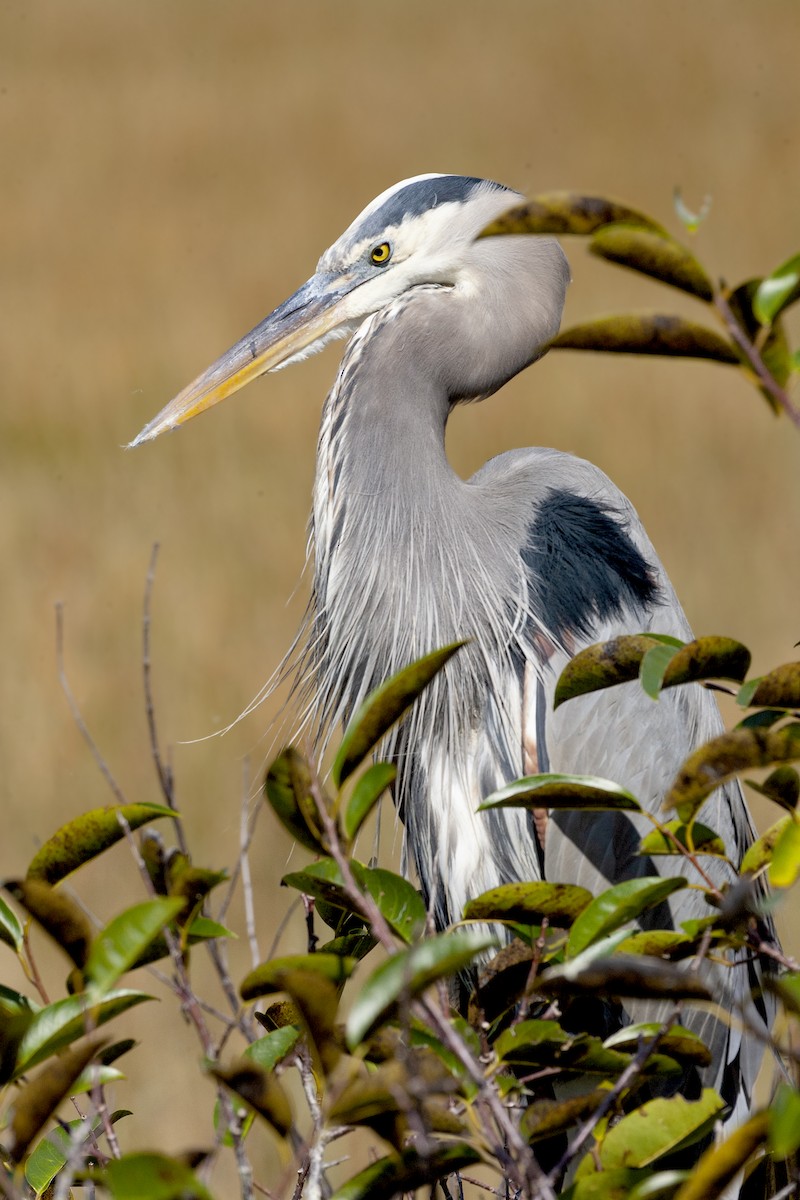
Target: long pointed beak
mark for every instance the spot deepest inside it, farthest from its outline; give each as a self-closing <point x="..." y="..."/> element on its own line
<point x="316" y="312"/>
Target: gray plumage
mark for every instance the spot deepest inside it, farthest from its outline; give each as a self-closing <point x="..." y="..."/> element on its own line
<point x="534" y="557"/>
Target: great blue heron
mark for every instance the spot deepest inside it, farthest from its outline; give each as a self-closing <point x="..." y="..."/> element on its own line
<point x="534" y="557"/>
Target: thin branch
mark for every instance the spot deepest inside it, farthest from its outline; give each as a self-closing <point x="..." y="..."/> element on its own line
<point x="765" y="377"/>
<point x="244" y="866"/>
<point x="75" y="711"/>
<point x="165" y="777"/>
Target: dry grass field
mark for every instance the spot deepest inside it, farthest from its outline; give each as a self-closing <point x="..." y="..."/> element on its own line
<point x="169" y="172"/>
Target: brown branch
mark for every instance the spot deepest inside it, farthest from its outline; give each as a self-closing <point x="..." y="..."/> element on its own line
<point x="765" y="377"/>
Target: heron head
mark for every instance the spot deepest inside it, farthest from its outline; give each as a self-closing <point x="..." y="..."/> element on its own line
<point x="422" y="231"/>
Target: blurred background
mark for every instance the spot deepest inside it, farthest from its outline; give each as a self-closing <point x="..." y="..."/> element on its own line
<point x="170" y="172"/>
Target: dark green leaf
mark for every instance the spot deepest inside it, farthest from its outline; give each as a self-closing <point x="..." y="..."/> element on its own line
<point x="37" y="1100"/>
<point x="10" y="928"/>
<point x="696" y="838"/>
<point x="563" y="791"/>
<point x="152" y="1175"/>
<point x="644" y="333"/>
<point x="289" y="789"/>
<point x="784" y="1121"/>
<point x="64" y="1021"/>
<point x="260" y="1089"/>
<point x="655" y="254"/>
<point x="323" y="881"/>
<point x="616" y="906"/>
<point x="787" y="988"/>
<point x="724" y="757"/>
<point x="317" y="1001"/>
<point x="602" y="666"/>
<point x="384" y="707"/>
<point x="778" y="689"/>
<point x="566" y="213"/>
<point x="57" y="913"/>
<point x="529" y="903"/>
<point x="366" y="794"/>
<point x="782" y="785"/>
<point x="777" y="291"/>
<point x="774" y="352"/>
<point x="658" y="1127"/>
<point x="397" y="1174"/>
<point x="270" y="976"/>
<point x="87" y="836"/>
<point x="653" y="668"/>
<point x="624" y="976"/>
<point x="350" y="945"/>
<point x="117" y="947"/>
<point x="408" y="973"/>
<point x="720" y="1165"/>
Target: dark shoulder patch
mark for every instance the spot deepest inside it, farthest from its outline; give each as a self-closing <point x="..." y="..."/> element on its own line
<point x="584" y="566"/>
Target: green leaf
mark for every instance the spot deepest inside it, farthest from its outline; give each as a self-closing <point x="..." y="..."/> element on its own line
<point x="704" y="658"/>
<point x="529" y="903"/>
<point x="398" y="1174"/>
<point x="780" y="688"/>
<point x="586" y="792"/>
<point x="785" y="866"/>
<point x="617" y="906"/>
<point x="270" y="976"/>
<point x="532" y="1043"/>
<point x="36" y="1100"/>
<point x="384" y="707"/>
<point x="603" y="1185"/>
<point x="64" y="1021"/>
<point x="117" y="947"/>
<point x="408" y="973"/>
<point x="260" y="1089"/>
<point x="289" y="790"/>
<point x="58" y="914"/>
<point x="603" y="665"/>
<point x="544" y="1118"/>
<point x="759" y="854"/>
<point x="366" y="794"/>
<point x="52" y="1152"/>
<point x="720" y="1165"/>
<point x="152" y="1175"/>
<point x="10" y="928"/>
<point x="653" y="667"/>
<point x="317" y="1001"/>
<point x="724" y="757"/>
<point x="777" y="291"/>
<point x="655" y="254"/>
<point x="398" y="901"/>
<point x="659" y="1127"/>
<point x="678" y="1043"/>
<point x="782" y="786"/>
<point x="566" y="213"/>
<point x="271" y="1049"/>
<point x="658" y="943"/>
<point x="696" y="838"/>
<point x="645" y="333"/>
<point x="624" y="976"/>
<point x="87" y="836"/>
<point x="784" y="1122"/>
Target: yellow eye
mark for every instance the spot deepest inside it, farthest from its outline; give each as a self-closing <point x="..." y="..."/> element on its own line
<point x="380" y="255"/>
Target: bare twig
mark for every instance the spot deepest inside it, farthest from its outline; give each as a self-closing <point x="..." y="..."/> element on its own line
<point x="244" y="866"/>
<point x="76" y="713"/>
<point x="765" y="377"/>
